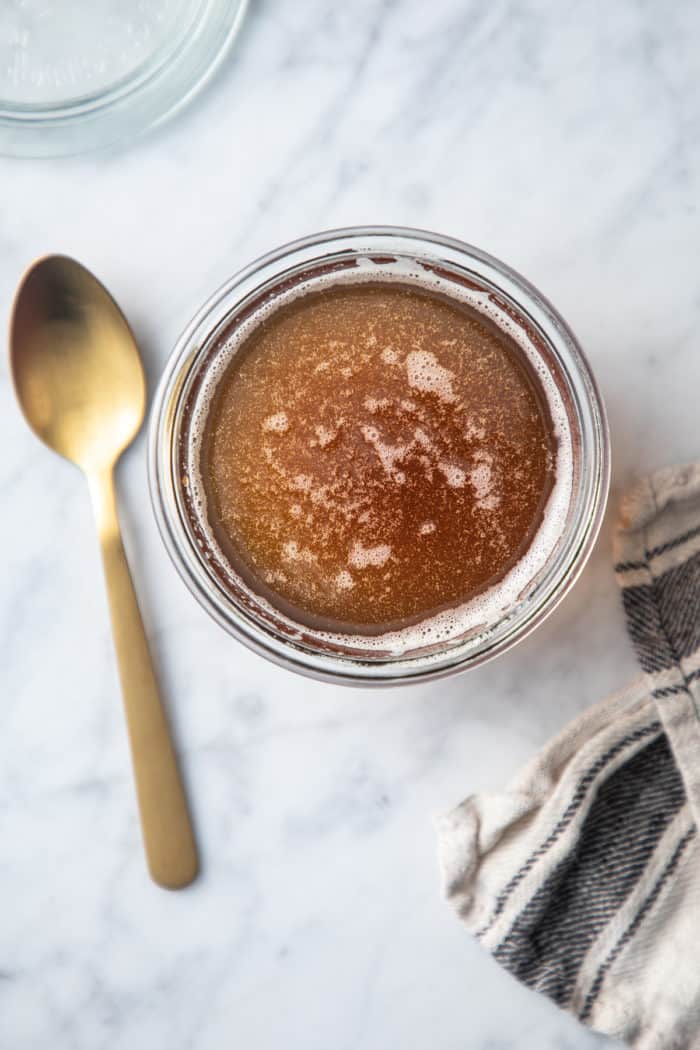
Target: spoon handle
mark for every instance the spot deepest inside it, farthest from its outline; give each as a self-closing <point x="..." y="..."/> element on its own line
<point x="171" y="852"/>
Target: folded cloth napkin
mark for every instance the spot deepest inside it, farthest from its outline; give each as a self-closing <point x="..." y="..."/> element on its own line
<point x="583" y="877"/>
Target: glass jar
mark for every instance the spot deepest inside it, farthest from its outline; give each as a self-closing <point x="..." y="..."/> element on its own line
<point x="509" y="300"/>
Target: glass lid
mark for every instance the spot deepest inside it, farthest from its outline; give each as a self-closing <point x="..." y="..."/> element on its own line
<point x="77" y="76"/>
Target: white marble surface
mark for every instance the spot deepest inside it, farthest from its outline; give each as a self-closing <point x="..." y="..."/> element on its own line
<point x="562" y="137"/>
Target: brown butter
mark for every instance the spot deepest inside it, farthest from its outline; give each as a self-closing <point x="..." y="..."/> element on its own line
<point x="375" y="454"/>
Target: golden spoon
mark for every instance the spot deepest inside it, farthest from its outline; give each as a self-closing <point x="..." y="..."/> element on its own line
<point x="79" y="380"/>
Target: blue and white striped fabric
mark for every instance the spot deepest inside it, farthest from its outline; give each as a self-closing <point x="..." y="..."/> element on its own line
<point x="583" y="877"/>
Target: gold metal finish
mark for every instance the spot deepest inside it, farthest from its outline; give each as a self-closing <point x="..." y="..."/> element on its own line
<point x="80" y="383"/>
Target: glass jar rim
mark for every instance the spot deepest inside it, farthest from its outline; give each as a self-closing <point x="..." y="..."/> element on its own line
<point x="452" y="657"/>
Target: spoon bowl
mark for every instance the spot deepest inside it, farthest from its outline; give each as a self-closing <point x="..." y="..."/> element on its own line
<point x="75" y="364"/>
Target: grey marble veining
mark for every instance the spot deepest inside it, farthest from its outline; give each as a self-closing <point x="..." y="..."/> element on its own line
<point x="562" y="137"/>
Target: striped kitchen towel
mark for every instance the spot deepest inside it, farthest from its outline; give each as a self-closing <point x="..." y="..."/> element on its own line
<point x="583" y="877"/>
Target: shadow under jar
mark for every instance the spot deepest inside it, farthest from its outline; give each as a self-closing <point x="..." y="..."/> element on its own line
<point x="378" y="455"/>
